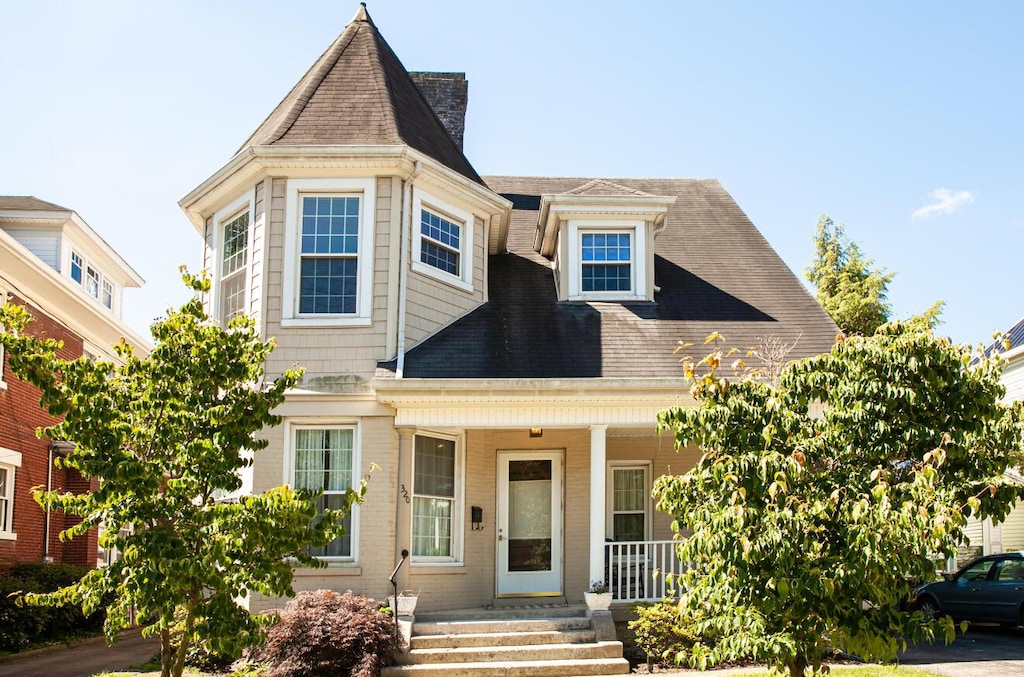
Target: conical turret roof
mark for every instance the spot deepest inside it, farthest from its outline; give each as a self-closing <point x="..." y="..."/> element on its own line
<point x="359" y="93"/>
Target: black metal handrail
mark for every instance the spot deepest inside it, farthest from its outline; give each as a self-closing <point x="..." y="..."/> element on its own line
<point x="394" y="585"/>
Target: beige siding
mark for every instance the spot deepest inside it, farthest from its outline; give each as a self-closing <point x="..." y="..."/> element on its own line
<point x="432" y="304"/>
<point x="974" y="544"/>
<point x="43" y="243"/>
<point x="335" y="358"/>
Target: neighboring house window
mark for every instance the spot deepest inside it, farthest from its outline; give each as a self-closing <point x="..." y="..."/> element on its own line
<point x="234" y="256"/>
<point x="436" y="522"/>
<point x="329" y="255"/>
<point x="629" y="492"/>
<point x="443" y="241"/>
<point x="108" y="294"/>
<point x="76" y="267"/>
<point x="91" y="279"/>
<point x="325" y="461"/>
<point x="439" y="242"/>
<point x="92" y="282"/>
<point x="606" y="262"/>
<point x="9" y="461"/>
<point x="329" y="252"/>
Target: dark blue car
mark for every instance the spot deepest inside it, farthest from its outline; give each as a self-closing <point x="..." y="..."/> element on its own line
<point x="990" y="590"/>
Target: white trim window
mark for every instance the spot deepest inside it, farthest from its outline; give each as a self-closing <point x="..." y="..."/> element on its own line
<point x="325" y="460"/>
<point x="328" y="276"/>
<point x="9" y="461"/>
<point x="443" y="241"/>
<point x="92" y="280"/>
<point x="629" y="502"/>
<point x="233" y="259"/>
<point x="608" y="261"/>
<point x="436" y="500"/>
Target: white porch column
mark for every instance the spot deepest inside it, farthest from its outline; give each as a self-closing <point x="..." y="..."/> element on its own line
<point x="597" y="500"/>
<point x="403" y="512"/>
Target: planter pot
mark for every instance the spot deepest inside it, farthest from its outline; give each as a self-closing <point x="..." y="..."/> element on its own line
<point x="406" y="604"/>
<point x="597" y="601"/>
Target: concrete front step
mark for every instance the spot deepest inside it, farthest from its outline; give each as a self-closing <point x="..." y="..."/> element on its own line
<point x="504" y="639"/>
<point x="549" y="668"/>
<point x="476" y="627"/>
<point x="522" y="653"/>
<point x="505" y="613"/>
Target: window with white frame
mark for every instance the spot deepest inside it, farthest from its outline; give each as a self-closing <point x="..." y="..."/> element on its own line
<point x="606" y="261"/>
<point x="325" y="459"/>
<point x="91" y="279"/>
<point x="234" y="256"/>
<point x="329" y="255"/>
<point x="328" y="252"/>
<point x="436" y="515"/>
<point x="9" y="462"/>
<point x="443" y="241"/>
<point x="629" y="493"/>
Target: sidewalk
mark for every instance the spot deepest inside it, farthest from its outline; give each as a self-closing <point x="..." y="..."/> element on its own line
<point x="82" y="659"/>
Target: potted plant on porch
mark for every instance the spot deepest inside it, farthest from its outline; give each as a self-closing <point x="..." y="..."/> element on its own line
<point x="598" y="596"/>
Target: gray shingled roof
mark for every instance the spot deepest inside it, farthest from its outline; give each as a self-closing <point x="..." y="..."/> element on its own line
<point x="359" y="93"/>
<point x="1015" y="335"/>
<point x="715" y="270"/>
<point x="29" y="204"/>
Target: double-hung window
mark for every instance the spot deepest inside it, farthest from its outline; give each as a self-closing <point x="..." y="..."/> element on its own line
<point x="439" y="242"/>
<point x="76" y="267"/>
<point x="325" y="460"/>
<point x="9" y="461"/>
<point x="629" y="502"/>
<point x="329" y="252"/>
<point x="436" y="517"/>
<point x="443" y="241"/>
<point x="234" y="257"/>
<point x="329" y="255"/>
<point x="606" y="259"/>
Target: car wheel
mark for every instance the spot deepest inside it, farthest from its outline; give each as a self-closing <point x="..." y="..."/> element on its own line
<point x="929" y="608"/>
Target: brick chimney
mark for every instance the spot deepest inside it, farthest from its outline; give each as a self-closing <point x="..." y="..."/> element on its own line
<point x="447" y="94"/>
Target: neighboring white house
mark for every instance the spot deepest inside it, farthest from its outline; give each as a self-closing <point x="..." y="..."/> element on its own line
<point x="499" y="346"/>
<point x="985" y="537"/>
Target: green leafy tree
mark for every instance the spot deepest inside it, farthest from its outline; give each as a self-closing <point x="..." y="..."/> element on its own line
<point x="167" y="435"/>
<point x="848" y="287"/>
<point x="817" y="503"/>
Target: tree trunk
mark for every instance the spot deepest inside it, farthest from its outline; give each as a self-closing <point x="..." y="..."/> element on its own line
<point x="166" y="653"/>
<point x="797" y="666"/>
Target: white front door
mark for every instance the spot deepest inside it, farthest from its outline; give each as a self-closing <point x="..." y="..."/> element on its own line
<point x="529" y="523"/>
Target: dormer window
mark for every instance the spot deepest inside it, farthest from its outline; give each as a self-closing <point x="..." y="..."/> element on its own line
<point x="606" y="262"/>
<point x="599" y="238"/>
<point x="91" y="279"/>
<point x="439" y="242"/>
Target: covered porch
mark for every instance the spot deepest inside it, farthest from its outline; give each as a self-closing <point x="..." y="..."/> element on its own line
<point x="554" y="491"/>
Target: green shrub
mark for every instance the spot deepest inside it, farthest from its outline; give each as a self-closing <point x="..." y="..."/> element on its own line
<point x="325" y="633"/>
<point x="665" y="633"/>
<point x="22" y="625"/>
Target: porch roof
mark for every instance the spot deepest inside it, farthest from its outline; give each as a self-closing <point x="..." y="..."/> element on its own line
<point x="531" y="403"/>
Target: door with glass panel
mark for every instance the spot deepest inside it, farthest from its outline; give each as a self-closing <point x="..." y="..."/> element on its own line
<point x="529" y="548"/>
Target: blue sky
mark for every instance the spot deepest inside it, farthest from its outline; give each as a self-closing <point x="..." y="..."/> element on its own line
<point x="901" y="120"/>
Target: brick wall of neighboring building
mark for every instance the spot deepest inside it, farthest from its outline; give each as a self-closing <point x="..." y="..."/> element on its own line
<point x="20" y="416"/>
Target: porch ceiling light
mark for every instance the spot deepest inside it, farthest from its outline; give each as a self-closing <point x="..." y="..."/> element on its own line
<point x="536" y="432"/>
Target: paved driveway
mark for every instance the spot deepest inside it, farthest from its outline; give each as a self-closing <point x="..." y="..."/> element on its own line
<point x="83" y="659"/>
<point x="983" y="651"/>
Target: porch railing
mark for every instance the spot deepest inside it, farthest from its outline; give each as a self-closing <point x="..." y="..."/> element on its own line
<point x="636" y="570"/>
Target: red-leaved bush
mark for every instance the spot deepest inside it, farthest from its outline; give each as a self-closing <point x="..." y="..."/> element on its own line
<point x="323" y="633"/>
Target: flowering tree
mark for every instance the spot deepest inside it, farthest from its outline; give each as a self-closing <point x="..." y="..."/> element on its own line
<point x="818" y="502"/>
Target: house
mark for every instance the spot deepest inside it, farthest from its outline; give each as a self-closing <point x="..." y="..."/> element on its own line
<point x="986" y="538"/>
<point x="499" y="346"/>
<point x="61" y="270"/>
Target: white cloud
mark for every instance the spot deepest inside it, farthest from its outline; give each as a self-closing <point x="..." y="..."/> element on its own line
<point x="946" y="201"/>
